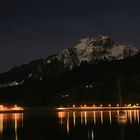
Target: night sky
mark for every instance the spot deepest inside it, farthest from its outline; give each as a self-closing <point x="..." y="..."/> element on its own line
<point x="32" y="29"/>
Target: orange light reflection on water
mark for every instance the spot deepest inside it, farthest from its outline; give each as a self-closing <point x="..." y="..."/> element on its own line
<point x="110" y="117"/>
<point x="68" y="127"/>
<point x="1" y="124"/>
<point x="94" y="115"/>
<point x="61" y="115"/>
<point x="102" y="117"/>
<point x="12" y="119"/>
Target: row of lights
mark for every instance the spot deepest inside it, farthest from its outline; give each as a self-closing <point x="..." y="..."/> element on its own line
<point x="129" y="105"/>
<point x="15" y="107"/>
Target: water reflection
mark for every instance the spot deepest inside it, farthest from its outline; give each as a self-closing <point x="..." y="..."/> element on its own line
<point x="91" y="134"/>
<point x="1" y="125"/>
<point x="11" y="120"/>
<point x="110" y="117"/>
<point x="16" y="136"/>
<point x="74" y="118"/>
<point x="61" y="115"/>
<point x="85" y="116"/>
<point x="81" y="117"/>
<point x="96" y="117"/>
<point x="102" y="117"/>
<point x="138" y="115"/>
<point x="68" y="127"/>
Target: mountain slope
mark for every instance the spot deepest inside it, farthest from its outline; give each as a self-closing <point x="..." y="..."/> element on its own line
<point x="90" y="50"/>
<point x="89" y="72"/>
<point x="88" y="83"/>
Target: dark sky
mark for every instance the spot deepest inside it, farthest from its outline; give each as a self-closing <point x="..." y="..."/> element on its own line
<point x="31" y="29"/>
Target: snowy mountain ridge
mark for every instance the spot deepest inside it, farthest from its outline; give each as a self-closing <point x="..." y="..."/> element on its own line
<point x="94" y="49"/>
<point x="90" y="50"/>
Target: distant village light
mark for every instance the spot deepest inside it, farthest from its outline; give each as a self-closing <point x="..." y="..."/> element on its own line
<point x="12" y="108"/>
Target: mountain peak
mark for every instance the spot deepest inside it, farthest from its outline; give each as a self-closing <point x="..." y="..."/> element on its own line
<point x="99" y="40"/>
<point x="95" y="49"/>
<point x="102" y="47"/>
<point x="102" y="40"/>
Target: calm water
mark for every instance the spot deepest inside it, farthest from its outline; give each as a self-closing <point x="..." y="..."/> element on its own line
<point x="43" y="124"/>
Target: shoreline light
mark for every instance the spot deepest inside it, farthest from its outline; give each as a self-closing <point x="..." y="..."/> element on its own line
<point x="129" y="105"/>
<point x="11" y="108"/>
<point x="100" y="107"/>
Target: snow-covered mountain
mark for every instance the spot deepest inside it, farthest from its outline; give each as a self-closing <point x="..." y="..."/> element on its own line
<point x="91" y="50"/>
<point x="94" y="49"/>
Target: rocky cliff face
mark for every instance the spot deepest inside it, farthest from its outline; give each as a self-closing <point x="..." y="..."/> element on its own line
<point x="94" y="49"/>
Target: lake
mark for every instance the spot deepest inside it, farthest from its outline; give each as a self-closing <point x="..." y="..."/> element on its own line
<point x="43" y="124"/>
